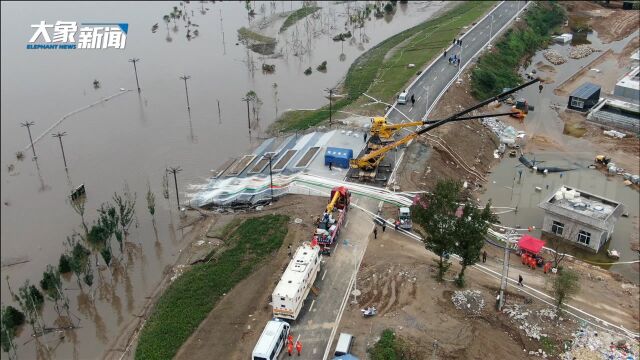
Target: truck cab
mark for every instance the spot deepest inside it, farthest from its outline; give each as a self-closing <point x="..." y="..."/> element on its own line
<point x="404" y="218"/>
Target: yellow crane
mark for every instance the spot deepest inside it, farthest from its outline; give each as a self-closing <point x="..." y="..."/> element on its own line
<point x="371" y="161"/>
<point x="384" y="130"/>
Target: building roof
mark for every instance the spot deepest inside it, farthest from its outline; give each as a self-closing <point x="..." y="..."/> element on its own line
<point x="585" y="90"/>
<point x="296" y="271"/>
<point x="631" y="80"/>
<point x="596" y="211"/>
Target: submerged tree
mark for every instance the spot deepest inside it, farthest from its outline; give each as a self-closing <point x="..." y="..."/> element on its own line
<point x="31" y="301"/>
<point x="79" y="256"/>
<point x="151" y="203"/>
<point x="11" y="320"/>
<point x="78" y="206"/>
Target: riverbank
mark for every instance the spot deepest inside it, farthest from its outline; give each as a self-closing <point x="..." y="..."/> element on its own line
<point x="192" y="295"/>
<point x="385" y="69"/>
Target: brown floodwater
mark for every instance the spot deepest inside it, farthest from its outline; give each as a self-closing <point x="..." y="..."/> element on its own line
<point x="131" y="139"/>
<point x="578" y="153"/>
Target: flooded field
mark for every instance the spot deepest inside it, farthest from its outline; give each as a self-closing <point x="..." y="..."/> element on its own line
<point x="129" y="140"/>
<point x="510" y="188"/>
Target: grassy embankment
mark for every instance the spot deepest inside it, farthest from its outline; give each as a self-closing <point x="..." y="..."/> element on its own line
<point x="190" y="298"/>
<point x="498" y="69"/>
<point x="384" y="77"/>
<point x="298" y="15"/>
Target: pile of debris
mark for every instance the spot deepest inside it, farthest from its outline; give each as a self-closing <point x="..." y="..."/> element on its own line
<point x="531" y="321"/>
<point x="580" y="51"/>
<point x="470" y="301"/>
<point x="589" y="344"/>
<point x="554" y="57"/>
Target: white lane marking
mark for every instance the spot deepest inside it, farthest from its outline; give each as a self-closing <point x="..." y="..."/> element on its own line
<point x="474" y="39"/>
<point x="411" y="109"/>
<point x="311" y="307"/>
<point x="442" y="70"/>
<point x="435" y="78"/>
<point x="419" y="98"/>
<point x="323" y="275"/>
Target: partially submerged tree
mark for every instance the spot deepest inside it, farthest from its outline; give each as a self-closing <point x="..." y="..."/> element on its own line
<point x="10" y="322"/>
<point x="78" y="206"/>
<point x="51" y="283"/>
<point x="79" y="256"/>
<point x="31" y="302"/>
<point x="565" y="284"/>
<point x="151" y="203"/>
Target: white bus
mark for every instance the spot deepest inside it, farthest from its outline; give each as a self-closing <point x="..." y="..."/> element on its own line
<point x="272" y="340"/>
<point x="295" y="283"/>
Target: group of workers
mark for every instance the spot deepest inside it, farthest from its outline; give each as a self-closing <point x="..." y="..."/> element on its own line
<point x="533" y="262"/>
<point x="290" y="346"/>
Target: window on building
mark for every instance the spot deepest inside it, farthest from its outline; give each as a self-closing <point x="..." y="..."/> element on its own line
<point x="584" y="237"/>
<point x="557" y="228"/>
<point x="577" y="103"/>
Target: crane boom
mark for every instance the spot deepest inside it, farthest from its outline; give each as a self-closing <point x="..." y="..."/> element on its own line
<point x="371" y="160"/>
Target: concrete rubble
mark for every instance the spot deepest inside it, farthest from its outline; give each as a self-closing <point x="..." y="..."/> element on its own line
<point x="590" y="344"/>
<point x="554" y="57"/>
<point x="531" y="322"/>
<point x="581" y="51"/>
<point x="470" y="301"/>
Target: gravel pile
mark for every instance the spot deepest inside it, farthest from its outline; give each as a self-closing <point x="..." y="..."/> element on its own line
<point x="553" y="57"/>
<point x="470" y="301"/>
<point x="580" y="51"/>
<point x="530" y="321"/>
<point x="589" y="344"/>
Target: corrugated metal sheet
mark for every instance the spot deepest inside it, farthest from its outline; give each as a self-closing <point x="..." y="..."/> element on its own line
<point x="585" y="91"/>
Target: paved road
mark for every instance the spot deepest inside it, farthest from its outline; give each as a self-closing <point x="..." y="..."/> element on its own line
<point x="319" y="314"/>
<point x="435" y="79"/>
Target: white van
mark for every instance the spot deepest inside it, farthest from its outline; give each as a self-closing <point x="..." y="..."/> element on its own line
<point x="403" y="98"/>
<point x="343" y="347"/>
<point x="272" y="340"/>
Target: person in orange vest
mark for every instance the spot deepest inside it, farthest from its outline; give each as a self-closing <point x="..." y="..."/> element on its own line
<point x="533" y="263"/>
<point x="290" y="348"/>
<point x="290" y="339"/>
<point x="525" y="259"/>
<point x="547" y="267"/>
<point x="298" y="347"/>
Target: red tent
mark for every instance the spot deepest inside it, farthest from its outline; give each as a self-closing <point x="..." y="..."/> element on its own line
<point x="531" y="244"/>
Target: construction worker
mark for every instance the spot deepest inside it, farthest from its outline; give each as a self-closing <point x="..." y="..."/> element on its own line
<point x="299" y="347"/>
<point x="290" y="348"/>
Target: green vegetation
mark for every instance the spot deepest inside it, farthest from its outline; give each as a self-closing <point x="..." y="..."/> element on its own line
<point x="565" y="284"/>
<point x="382" y="70"/>
<point x="246" y="34"/>
<point x="298" y="15"/>
<point x="191" y="297"/>
<point x="548" y="345"/>
<point x="499" y="69"/>
<point x="450" y="223"/>
<point x="389" y="347"/>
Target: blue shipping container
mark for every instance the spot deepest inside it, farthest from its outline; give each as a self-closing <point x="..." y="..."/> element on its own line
<point x="338" y="157"/>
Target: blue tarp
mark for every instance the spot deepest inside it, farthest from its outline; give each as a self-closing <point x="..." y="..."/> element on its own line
<point x="338" y="157"/>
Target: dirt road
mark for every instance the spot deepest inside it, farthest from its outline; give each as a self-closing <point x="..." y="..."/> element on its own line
<point x="396" y="277"/>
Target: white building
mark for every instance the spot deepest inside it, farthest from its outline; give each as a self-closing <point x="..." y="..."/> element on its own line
<point x="583" y="219"/>
<point x="629" y="86"/>
<point x="288" y="297"/>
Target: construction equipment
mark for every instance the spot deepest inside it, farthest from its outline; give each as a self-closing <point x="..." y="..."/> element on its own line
<point x="328" y="227"/>
<point x="604" y="160"/>
<point x="384" y="130"/>
<point x="370" y="161"/>
<point x="521" y="109"/>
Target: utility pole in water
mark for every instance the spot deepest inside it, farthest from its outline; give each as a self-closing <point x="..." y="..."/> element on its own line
<point x="59" y="135"/>
<point x="28" y="125"/>
<point x="135" y="70"/>
<point x="186" y="89"/>
<point x="246" y="99"/>
<point x="175" y="170"/>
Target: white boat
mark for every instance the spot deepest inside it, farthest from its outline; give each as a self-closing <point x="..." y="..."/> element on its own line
<point x="613" y="254"/>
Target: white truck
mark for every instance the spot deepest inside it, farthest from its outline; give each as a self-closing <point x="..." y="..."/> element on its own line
<point x="404" y="218"/>
<point x="296" y="282"/>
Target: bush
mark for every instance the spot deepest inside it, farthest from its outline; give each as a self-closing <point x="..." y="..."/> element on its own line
<point x="387" y="348"/>
<point x="64" y="265"/>
<point x="498" y="69"/>
<point x="12" y="318"/>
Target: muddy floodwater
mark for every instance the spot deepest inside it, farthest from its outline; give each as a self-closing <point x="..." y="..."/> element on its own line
<point x="130" y="139"/>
